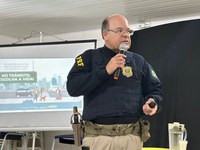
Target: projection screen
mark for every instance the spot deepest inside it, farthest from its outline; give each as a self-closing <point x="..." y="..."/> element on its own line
<point x="33" y="78"/>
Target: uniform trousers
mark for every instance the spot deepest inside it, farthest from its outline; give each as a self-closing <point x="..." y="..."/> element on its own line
<point x="125" y="142"/>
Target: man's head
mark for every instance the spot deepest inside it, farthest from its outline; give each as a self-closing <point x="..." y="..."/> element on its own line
<point x="115" y="30"/>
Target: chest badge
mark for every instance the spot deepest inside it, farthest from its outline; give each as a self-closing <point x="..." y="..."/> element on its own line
<point x="127" y="71"/>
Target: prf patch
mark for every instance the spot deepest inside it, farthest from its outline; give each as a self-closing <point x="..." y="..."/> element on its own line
<point x="79" y="61"/>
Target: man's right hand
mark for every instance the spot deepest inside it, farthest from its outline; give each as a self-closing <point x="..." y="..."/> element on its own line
<point x="118" y="61"/>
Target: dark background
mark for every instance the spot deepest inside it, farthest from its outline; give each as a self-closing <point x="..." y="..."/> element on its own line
<point x="174" y="52"/>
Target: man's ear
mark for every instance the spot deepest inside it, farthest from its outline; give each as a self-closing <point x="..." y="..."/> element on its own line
<point x="105" y="35"/>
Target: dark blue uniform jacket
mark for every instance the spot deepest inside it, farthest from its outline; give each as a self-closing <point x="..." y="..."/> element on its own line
<point x="110" y="101"/>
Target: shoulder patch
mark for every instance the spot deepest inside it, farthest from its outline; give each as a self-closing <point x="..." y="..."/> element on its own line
<point x="153" y="73"/>
<point x="79" y="61"/>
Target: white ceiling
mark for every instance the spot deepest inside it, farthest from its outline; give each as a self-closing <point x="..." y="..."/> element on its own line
<point x="19" y="18"/>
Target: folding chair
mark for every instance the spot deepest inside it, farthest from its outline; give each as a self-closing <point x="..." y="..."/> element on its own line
<point x="35" y="141"/>
<point x="64" y="139"/>
<point x="12" y="136"/>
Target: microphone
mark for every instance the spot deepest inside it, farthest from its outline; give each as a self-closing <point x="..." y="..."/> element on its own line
<point x="122" y="49"/>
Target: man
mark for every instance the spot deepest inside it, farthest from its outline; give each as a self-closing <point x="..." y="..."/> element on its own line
<point x="113" y="108"/>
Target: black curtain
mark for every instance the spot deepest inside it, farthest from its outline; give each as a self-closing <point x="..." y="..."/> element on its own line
<point x="174" y="52"/>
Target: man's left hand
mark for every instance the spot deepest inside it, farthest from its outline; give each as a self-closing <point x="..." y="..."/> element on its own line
<point x="147" y="109"/>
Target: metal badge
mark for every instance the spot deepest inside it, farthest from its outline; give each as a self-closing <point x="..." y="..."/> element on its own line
<point x="127" y="71"/>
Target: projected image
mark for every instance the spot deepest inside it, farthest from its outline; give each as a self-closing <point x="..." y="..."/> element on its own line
<point x="36" y="85"/>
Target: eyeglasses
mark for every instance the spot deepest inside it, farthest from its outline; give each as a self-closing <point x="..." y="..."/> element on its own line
<point x="121" y="31"/>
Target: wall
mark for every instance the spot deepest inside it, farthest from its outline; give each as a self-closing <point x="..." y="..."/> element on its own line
<point x="6" y="39"/>
<point x="83" y="35"/>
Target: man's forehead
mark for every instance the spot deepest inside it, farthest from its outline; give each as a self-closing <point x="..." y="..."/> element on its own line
<point x="118" y="22"/>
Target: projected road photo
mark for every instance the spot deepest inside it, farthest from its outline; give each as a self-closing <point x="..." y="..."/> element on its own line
<point x="36" y="85"/>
